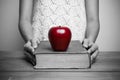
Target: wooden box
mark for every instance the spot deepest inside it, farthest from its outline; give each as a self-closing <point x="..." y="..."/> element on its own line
<point x="75" y="57"/>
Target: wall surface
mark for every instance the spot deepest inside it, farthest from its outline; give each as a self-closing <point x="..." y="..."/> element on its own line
<point x="108" y="39"/>
<point x="10" y="38"/>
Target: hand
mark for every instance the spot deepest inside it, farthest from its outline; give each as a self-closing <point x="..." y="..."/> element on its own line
<point x="31" y="45"/>
<point x="92" y="49"/>
<point x="29" y="49"/>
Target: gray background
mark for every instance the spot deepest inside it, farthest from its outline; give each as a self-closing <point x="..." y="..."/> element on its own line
<point x="108" y="39"/>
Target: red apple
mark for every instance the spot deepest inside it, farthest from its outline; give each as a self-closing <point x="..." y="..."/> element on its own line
<point x="59" y="38"/>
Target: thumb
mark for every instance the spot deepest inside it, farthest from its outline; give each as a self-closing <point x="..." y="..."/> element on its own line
<point x="86" y="43"/>
<point x="34" y="43"/>
<point x="28" y="47"/>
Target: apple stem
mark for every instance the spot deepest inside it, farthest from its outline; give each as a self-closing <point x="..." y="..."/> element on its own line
<point x="59" y="26"/>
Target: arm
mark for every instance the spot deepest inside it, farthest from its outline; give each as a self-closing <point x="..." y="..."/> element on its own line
<point x="25" y="19"/>
<point x="25" y="26"/>
<point x="92" y="14"/>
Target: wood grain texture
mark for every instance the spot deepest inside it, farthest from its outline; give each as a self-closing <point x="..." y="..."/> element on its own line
<point x="60" y="76"/>
<point x="16" y="61"/>
<point x="107" y="67"/>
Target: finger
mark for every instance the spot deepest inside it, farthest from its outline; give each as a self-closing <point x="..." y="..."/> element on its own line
<point x="30" y="58"/>
<point x="92" y="49"/>
<point x="94" y="56"/>
<point x="85" y="43"/>
<point x="34" y="43"/>
<point x="90" y="44"/>
<point x="38" y="41"/>
<point x="28" y="47"/>
<point x="29" y="54"/>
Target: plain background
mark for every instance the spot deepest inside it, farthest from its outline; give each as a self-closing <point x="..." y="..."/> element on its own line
<point x="108" y="39"/>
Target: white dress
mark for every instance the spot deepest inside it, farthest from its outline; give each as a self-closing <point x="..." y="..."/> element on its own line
<point x="50" y="13"/>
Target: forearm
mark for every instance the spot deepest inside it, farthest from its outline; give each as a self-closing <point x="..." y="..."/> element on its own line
<point x="25" y="29"/>
<point x="92" y="16"/>
<point x="25" y="14"/>
<point x="92" y="30"/>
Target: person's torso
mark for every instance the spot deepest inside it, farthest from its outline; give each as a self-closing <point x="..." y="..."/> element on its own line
<point x="50" y="13"/>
